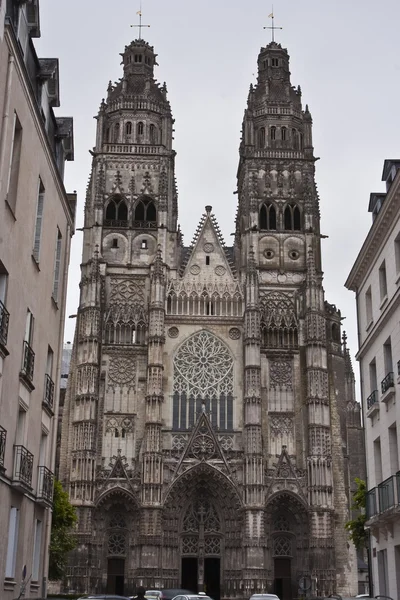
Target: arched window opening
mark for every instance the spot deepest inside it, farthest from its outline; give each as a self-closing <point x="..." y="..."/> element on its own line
<point x="273" y="133"/>
<point x="301" y="141"/>
<point x="261" y="137"/>
<point x="108" y="134"/>
<point x="145" y="213"/>
<point x="116" y="133"/>
<point x="292" y="218"/>
<point x="268" y="216"/>
<point x="296" y="218"/>
<point x="140" y="128"/>
<point x="335" y="333"/>
<point x="122" y="433"/>
<point x="116" y="433"/>
<point x="116" y="212"/>
<point x="295" y="139"/>
<point x="283" y="133"/>
<point x="153" y="134"/>
<point x="128" y="128"/>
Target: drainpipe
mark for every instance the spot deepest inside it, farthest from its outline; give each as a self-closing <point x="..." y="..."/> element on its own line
<point x="53" y="441"/>
<point x="6" y="115"/>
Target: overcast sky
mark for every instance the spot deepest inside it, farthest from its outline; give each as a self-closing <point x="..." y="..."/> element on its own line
<point x="344" y="55"/>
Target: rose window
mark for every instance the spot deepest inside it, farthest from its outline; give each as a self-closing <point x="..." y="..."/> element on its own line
<point x="203" y="381"/>
<point x="116" y="544"/>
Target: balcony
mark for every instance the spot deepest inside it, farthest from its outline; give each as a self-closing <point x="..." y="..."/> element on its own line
<point x="45" y="486"/>
<point x="383" y="501"/>
<point x="387" y="387"/>
<point x="48" y="396"/>
<point x="28" y="364"/>
<point x="3" y="437"/>
<point x="4" y="319"/>
<point x="372" y="403"/>
<point x="23" y="466"/>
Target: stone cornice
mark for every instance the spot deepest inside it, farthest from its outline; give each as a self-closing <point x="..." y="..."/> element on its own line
<point x="376" y="237"/>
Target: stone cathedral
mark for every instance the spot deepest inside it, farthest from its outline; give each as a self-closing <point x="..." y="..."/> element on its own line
<point x="210" y="422"/>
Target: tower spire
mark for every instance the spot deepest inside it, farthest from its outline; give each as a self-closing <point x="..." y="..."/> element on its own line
<point x="140" y="25"/>
<point x="272" y="27"/>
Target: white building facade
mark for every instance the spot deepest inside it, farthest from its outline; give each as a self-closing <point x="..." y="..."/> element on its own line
<point x="375" y="278"/>
<point x="36" y="225"/>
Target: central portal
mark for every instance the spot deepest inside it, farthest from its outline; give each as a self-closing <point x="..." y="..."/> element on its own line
<point x="211" y="575"/>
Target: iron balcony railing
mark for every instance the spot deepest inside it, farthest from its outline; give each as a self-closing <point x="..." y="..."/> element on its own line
<point x="3" y="437"/>
<point x="28" y="361"/>
<point x="388" y="382"/>
<point x="383" y="497"/>
<point x="23" y="465"/>
<point x="4" y="319"/>
<point x="372" y="399"/>
<point x="45" y="484"/>
<point x="48" y="396"/>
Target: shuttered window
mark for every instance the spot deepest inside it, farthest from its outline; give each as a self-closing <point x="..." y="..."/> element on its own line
<point x="38" y="222"/>
<point x="57" y="266"/>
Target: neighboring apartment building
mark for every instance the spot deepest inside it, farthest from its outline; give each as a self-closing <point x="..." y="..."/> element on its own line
<point x="36" y="225"/>
<point x="375" y="277"/>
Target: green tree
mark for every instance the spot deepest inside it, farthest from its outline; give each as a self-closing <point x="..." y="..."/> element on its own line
<point x="356" y="526"/>
<point x="62" y="541"/>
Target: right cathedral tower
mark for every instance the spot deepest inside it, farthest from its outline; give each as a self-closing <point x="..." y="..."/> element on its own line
<point x="300" y="414"/>
<point x="210" y="429"/>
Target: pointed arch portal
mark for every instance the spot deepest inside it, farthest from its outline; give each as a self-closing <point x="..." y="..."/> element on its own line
<point x="202" y="524"/>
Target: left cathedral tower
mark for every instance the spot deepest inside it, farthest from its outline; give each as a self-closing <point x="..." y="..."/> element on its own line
<point x="130" y="222"/>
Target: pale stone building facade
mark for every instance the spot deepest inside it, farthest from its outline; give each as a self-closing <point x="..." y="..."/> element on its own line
<point x="36" y="225"/>
<point x="375" y="278"/>
<point x="210" y="404"/>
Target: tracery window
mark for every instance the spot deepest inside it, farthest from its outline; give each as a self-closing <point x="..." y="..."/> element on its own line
<point x="203" y="379"/>
<point x="117" y="544"/>
<point x="279" y="327"/>
<point x="268" y="216"/>
<point x="116" y="212"/>
<point x="145" y="213"/>
<point x="201" y="521"/>
<point x="282" y="546"/>
<point x="292" y="218"/>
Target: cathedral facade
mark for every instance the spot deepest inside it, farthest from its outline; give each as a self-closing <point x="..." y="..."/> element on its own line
<point x="210" y="410"/>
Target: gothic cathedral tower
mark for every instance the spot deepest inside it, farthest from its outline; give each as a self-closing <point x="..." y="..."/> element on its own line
<point x="210" y="402"/>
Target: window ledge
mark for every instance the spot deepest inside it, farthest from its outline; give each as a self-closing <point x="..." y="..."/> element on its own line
<point x="369" y="325"/>
<point x="9" y="583"/>
<point x="35" y="262"/>
<point x="373" y="410"/>
<point x="383" y="302"/>
<point x="386" y="396"/>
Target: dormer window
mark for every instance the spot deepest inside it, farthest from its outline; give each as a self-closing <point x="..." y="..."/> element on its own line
<point x="275" y="62"/>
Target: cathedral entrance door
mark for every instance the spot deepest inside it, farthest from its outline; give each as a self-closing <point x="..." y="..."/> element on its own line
<point x="283" y="578"/>
<point x="212" y="577"/>
<point x="189" y="573"/>
<point x="115" y="576"/>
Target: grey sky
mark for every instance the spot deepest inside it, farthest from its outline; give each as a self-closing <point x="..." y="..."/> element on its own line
<point x="345" y="56"/>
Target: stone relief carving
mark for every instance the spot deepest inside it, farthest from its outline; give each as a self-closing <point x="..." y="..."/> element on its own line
<point x="195" y="269"/>
<point x="280" y="374"/>
<point x="234" y="333"/>
<point x="281" y="424"/>
<point x="173" y="332"/>
<point x="208" y="247"/>
<point x="122" y="370"/>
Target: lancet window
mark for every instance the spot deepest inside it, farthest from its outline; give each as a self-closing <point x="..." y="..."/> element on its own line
<point x="140" y="128"/>
<point x="279" y="327"/>
<point x="267" y="216"/>
<point x="128" y="128"/>
<point x="203" y="380"/>
<point x="125" y="325"/>
<point x="145" y="213"/>
<point x="261" y="137"/>
<point x="116" y="133"/>
<point x="273" y="133"/>
<point x="153" y="134"/>
<point x="292" y="218"/>
<point x="116" y="212"/>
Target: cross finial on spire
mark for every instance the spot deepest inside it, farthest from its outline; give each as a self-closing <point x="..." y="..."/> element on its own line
<point x="271" y="16"/>
<point x="139" y="12"/>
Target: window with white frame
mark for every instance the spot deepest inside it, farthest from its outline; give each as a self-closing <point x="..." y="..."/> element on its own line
<point x="57" y="266"/>
<point x="38" y="222"/>
<point x="12" y="542"/>
<point x="37" y="543"/>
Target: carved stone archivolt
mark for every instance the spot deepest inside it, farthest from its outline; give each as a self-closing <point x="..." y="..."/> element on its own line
<point x="126" y="290"/>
